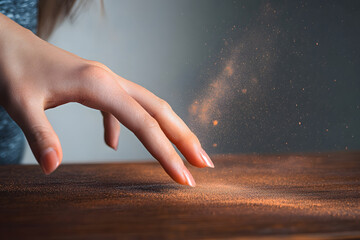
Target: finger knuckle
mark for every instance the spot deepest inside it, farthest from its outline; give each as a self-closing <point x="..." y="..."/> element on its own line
<point x="163" y="108"/>
<point x="93" y="79"/>
<point x="149" y="123"/>
<point x="39" y="135"/>
<point x="98" y="64"/>
<point x="164" y="105"/>
<point x="92" y="73"/>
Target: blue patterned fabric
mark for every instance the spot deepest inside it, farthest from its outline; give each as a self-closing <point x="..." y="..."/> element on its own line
<point x="24" y="12"/>
<point x="12" y="141"/>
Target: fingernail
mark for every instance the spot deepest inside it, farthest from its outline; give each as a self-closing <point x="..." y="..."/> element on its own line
<point x="114" y="145"/>
<point x="189" y="178"/>
<point x="49" y="161"/>
<point x="116" y="142"/>
<point x="206" y="159"/>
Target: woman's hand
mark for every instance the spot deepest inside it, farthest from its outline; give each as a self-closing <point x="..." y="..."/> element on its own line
<point x="35" y="76"/>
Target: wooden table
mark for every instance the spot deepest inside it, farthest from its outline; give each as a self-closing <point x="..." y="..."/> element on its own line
<point x="245" y="196"/>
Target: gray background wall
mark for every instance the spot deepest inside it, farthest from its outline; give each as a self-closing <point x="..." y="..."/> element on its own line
<point x="277" y="76"/>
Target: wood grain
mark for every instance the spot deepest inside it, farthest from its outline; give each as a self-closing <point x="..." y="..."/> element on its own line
<point x="245" y="196"/>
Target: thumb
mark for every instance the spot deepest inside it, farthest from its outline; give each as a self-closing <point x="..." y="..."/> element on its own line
<point x="42" y="139"/>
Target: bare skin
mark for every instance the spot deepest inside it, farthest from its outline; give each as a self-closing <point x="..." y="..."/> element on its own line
<point x="35" y="76"/>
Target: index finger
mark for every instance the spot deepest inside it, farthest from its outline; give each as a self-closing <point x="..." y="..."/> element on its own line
<point x="172" y="125"/>
<point x="109" y="96"/>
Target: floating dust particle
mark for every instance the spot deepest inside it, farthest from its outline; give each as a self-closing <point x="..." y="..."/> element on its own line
<point x="203" y="110"/>
<point x="214" y="145"/>
<point x="317" y="44"/>
<point x="215" y="122"/>
<point x="346" y="147"/>
<point x="241" y="66"/>
<point x="193" y="108"/>
<point x="229" y="70"/>
<point x="299" y="123"/>
<point x="326" y="130"/>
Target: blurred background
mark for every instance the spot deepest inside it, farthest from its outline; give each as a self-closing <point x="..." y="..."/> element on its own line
<point x="247" y="76"/>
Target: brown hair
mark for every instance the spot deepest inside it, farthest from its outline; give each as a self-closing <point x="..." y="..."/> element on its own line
<point x="53" y="12"/>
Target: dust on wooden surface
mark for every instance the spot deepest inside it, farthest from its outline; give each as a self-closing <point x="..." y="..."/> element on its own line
<point x="245" y="195"/>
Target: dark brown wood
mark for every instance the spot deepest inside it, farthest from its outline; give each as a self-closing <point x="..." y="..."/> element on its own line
<point x="267" y="196"/>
